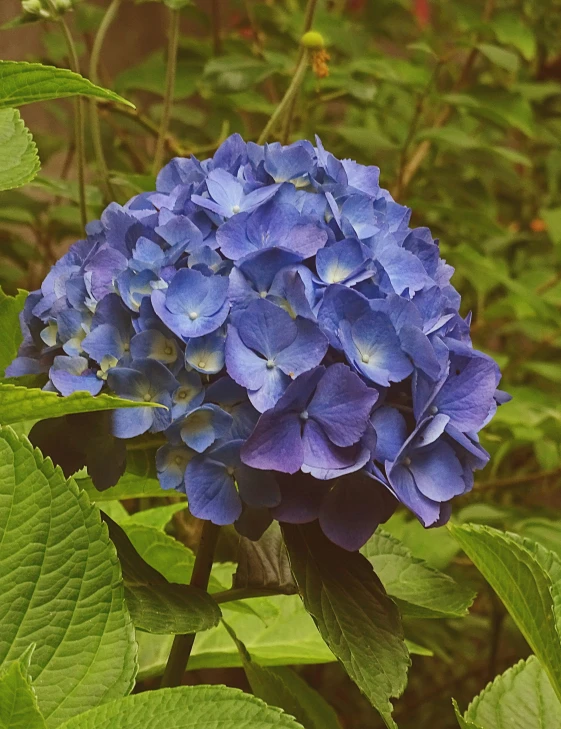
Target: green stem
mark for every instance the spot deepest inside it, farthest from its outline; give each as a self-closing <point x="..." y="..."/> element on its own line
<point x="308" y="22"/>
<point x="79" y="131"/>
<point x="95" y="122"/>
<point x="288" y="98"/>
<point x="216" y="28"/>
<point x="173" y="44"/>
<point x="183" y="644"/>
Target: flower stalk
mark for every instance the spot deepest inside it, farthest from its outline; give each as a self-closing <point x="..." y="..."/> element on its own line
<point x="183" y="644"/>
<point x="288" y="99"/>
<point x="173" y="44"/>
<point x="79" y="132"/>
<point x="95" y="122"/>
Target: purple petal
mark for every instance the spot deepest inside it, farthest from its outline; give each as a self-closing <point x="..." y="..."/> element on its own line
<point x="342" y="405"/>
<point x="353" y="508"/>
<point x="275" y="444"/>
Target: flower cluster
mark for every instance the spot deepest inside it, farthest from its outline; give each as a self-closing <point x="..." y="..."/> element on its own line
<point x="304" y="340"/>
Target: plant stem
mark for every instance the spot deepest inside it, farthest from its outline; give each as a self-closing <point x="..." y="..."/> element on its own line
<point x="421" y="151"/>
<point x="308" y="22"/>
<point x="183" y="644"/>
<point x="288" y="98"/>
<point x="94" y="116"/>
<point x="173" y="44"/>
<point x="216" y="28"/>
<point x="78" y="123"/>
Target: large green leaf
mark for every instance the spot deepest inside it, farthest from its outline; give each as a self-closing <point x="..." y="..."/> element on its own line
<point x="157" y="605"/>
<point x="500" y="56"/>
<point x="10" y="329"/>
<point x="281" y="686"/>
<point x="521" y="698"/>
<point x="158" y="517"/>
<point x="19" y="161"/>
<point x="527" y="578"/>
<point x="434" y="546"/>
<point x="18" y="702"/>
<point x="185" y="707"/>
<point x="23" y="83"/>
<point x="355" y="617"/>
<point x="30" y="403"/>
<point x="419" y="590"/>
<point x="60" y="587"/>
<point x="277" y="632"/>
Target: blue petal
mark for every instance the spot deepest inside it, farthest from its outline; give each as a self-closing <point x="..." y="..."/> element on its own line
<point x="340" y="261"/>
<point x="342" y="404"/>
<point x="324" y="460"/>
<point x="152" y="344"/>
<point x="71" y="374"/>
<point x="206" y="354"/>
<point x="211" y="491"/>
<point x="266" y="328"/>
<point x="105" y="340"/>
<point x="130" y="422"/>
<point x="403" y="484"/>
<point x="200" y="428"/>
<point x="373" y="346"/>
<point x="391" y="432"/>
<point x="189" y="395"/>
<point x="438" y="473"/>
<point x="171" y="462"/>
<point x="275" y="444"/>
<point x="340" y="303"/>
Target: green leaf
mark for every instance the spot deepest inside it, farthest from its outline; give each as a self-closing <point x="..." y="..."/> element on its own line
<point x="283" y="687"/>
<point x="26" y="403"/>
<point x="452" y="136"/>
<point x="23" y="83"/>
<point x="355" y="617"/>
<point x="419" y="590"/>
<point x="527" y="578"/>
<point x="165" y="554"/>
<point x="511" y="29"/>
<point x="277" y="631"/>
<point x="185" y="707"/>
<point x="60" y="587"/>
<point x="263" y="565"/>
<point x="549" y="370"/>
<point x="10" y="329"/>
<point x="521" y="698"/>
<point x="500" y="56"/>
<point x="434" y="546"/>
<point x="130" y="486"/>
<point x="157" y="518"/>
<point x="19" y="161"/>
<point x="552" y="218"/>
<point x="545" y="531"/>
<point x="156" y="605"/>
<point x="18" y="703"/>
<point x="462" y="721"/>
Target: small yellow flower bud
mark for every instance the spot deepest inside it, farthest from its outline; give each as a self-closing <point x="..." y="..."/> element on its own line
<point x="313" y="40"/>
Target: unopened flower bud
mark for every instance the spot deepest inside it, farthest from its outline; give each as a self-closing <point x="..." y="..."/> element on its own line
<point x="313" y="41"/>
<point x="35" y="7"/>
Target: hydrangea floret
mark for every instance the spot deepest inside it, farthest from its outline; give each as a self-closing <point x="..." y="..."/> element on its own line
<point x="304" y="341"/>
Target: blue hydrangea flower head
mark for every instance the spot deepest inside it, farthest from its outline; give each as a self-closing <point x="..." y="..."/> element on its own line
<point x="303" y="343"/>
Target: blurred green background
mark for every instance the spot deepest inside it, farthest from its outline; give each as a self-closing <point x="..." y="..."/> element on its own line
<point x="459" y="104"/>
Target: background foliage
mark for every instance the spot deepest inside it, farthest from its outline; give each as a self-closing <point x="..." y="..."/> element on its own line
<point x="459" y="104"/>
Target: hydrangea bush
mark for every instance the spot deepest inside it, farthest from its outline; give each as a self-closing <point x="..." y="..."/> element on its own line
<point x="304" y="341"/>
